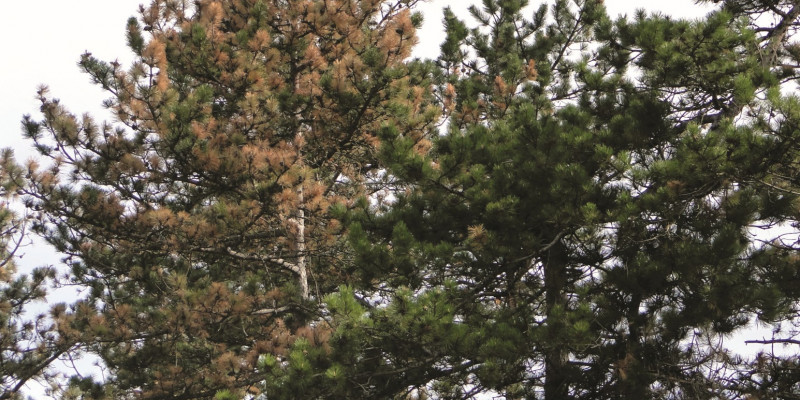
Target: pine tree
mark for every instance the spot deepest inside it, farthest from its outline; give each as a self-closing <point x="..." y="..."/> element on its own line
<point x="595" y="211"/>
<point x="28" y="346"/>
<point x="205" y="221"/>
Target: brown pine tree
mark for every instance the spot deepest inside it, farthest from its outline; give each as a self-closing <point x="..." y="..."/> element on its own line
<point x="206" y="219"/>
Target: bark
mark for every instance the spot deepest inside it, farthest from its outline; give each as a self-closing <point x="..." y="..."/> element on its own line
<point x="556" y="356"/>
<point x="302" y="268"/>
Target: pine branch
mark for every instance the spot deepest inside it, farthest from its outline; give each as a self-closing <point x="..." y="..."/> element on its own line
<point x="270" y="311"/>
<point x="256" y="257"/>
<point x="773" y="341"/>
<point x="277" y="261"/>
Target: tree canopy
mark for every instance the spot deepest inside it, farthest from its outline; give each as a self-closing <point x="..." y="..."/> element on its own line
<point x="560" y="205"/>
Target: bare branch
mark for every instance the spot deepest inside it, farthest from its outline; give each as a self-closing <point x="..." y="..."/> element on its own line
<point x="258" y="257"/>
<point x="773" y="341"/>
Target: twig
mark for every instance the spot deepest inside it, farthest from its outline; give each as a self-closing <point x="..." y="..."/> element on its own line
<point x="773" y="341"/>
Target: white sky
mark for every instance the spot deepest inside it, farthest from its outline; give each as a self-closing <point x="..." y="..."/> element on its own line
<point x="42" y="41"/>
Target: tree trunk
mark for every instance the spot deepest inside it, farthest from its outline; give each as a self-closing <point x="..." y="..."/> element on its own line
<point x="301" y="247"/>
<point x="556" y="356"/>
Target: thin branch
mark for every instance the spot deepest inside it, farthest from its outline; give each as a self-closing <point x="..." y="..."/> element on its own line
<point x="255" y="257"/>
<point x="773" y="341"/>
<point x="17" y="243"/>
<point x="547" y="247"/>
<point x="270" y="311"/>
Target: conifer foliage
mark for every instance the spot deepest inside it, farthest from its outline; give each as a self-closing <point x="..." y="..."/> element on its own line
<point x="206" y="222"/>
<point x="28" y="345"/>
<point x="596" y="215"/>
<point x="561" y="205"/>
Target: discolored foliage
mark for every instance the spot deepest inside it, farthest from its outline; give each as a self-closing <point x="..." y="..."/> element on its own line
<point x="206" y="220"/>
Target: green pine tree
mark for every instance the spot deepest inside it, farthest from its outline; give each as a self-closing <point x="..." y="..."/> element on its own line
<point x="590" y="210"/>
